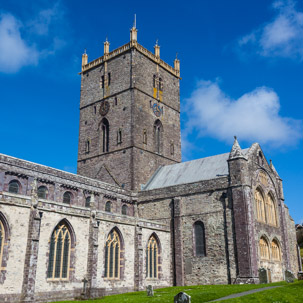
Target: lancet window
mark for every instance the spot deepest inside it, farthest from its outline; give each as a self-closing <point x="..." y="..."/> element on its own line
<point x="264" y="249"/>
<point x="152" y="252"/>
<point x="199" y="239"/>
<point x="260" y="206"/>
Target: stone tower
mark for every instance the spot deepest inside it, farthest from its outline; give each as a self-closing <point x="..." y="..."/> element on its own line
<point x="129" y="115"/>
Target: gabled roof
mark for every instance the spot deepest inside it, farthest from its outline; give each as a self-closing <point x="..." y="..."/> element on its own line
<point x="191" y="171"/>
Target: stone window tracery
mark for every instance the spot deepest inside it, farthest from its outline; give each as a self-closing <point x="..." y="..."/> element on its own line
<point x="152" y="258"/>
<point x="199" y="239"/>
<point x="2" y="240"/>
<point x="112" y="256"/>
<point x="14" y="187"/>
<point x="59" y="253"/>
<point x="4" y="246"/>
<point x="275" y="251"/>
<point x="264" y="249"/>
<point x="270" y="211"/>
<point x="260" y="205"/>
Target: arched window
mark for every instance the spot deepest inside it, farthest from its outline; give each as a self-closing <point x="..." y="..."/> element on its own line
<point x="275" y="251"/>
<point x="124" y="209"/>
<point x="199" y="239"/>
<point x="260" y="206"/>
<point x="264" y="249"/>
<point x="2" y="240"/>
<point x="67" y="197"/>
<point x="87" y="202"/>
<point x="152" y="258"/>
<point x="270" y="210"/>
<point x="14" y="187"/>
<point x="158" y="134"/>
<point x="4" y="246"/>
<point x="59" y="253"/>
<point x="42" y="192"/>
<point x="104" y="135"/>
<point x="108" y="206"/>
<point x="112" y="256"/>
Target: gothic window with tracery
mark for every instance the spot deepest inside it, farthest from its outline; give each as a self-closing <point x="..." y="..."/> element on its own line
<point x="152" y="258"/>
<point x="112" y="256"/>
<point x="260" y="205"/>
<point x="59" y="253"/>
<point x="270" y="211"/>
<point x="14" y="187"/>
<point x="199" y="239"/>
<point x="2" y="240"/>
<point x="264" y="249"/>
<point x="275" y="251"/>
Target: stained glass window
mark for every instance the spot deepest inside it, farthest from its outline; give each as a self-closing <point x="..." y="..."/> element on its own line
<point x="152" y="258"/>
<point x="112" y="256"/>
<point x="59" y="253"/>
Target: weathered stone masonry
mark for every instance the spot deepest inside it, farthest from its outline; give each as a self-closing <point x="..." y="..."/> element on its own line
<point x="66" y="236"/>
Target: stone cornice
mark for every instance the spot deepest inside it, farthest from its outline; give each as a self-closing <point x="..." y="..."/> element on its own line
<point x="124" y="48"/>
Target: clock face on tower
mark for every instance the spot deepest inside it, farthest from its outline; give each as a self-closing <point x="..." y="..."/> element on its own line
<point x="104" y="108"/>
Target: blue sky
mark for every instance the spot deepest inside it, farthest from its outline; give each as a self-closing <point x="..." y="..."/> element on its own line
<point x="241" y="68"/>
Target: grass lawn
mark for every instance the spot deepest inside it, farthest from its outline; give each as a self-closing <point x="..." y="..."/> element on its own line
<point x="199" y="293"/>
<point x="291" y="293"/>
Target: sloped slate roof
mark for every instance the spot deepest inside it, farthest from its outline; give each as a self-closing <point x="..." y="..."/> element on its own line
<point x="191" y="171"/>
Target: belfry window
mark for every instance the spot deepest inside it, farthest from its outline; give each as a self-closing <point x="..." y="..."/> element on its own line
<point x="59" y="253"/>
<point x="14" y="187"/>
<point x="199" y="239"/>
<point x="160" y="84"/>
<point x="158" y="134"/>
<point x="42" y="192"/>
<point x="104" y="135"/>
<point x="112" y="256"/>
<point x="152" y="258"/>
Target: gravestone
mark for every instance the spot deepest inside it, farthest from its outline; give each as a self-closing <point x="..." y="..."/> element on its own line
<point x="289" y="276"/>
<point x="182" y="297"/>
<point x="300" y="275"/>
<point x="150" y="290"/>
<point x="263" y="275"/>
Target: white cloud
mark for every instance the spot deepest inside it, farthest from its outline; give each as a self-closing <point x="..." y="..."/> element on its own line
<point x="25" y="43"/>
<point x="15" y="52"/>
<point x="254" y="117"/>
<point x="281" y="37"/>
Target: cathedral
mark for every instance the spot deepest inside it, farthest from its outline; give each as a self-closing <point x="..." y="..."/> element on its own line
<point x="134" y="214"/>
